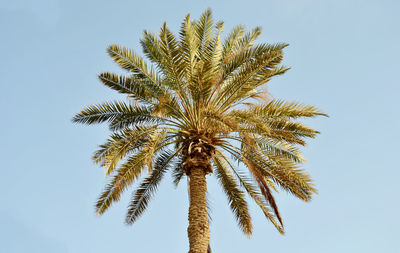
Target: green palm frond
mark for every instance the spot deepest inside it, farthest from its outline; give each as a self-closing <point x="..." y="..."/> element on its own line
<point x="272" y="130"/>
<point x="122" y="84"/>
<point x="206" y="59"/>
<point x="279" y="108"/>
<point x="119" y="145"/>
<point x="239" y="41"/>
<point x="247" y="78"/>
<point x="189" y="46"/>
<point x="128" y="172"/>
<point x="123" y="178"/>
<point x="291" y="178"/>
<point x="118" y="114"/>
<point x="178" y="172"/>
<point x="280" y="128"/>
<point x="232" y="41"/>
<point x="283" y="172"/>
<point x="251" y="189"/>
<point x="249" y="158"/>
<point x="246" y="55"/>
<point x="170" y="52"/>
<point x="210" y="70"/>
<point x="237" y="201"/>
<point x="296" y="128"/>
<point x="156" y="142"/>
<point x="129" y="60"/>
<point x="204" y="29"/>
<point x="147" y="188"/>
<point x="138" y="88"/>
<point x="280" y="149"/>
<point x="256" y="171"/>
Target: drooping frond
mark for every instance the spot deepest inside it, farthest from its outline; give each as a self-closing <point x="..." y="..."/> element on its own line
<point x="128" y="172"/>
<point x="285" y="173"/>
<point x="257" y="197"/>
<point x="291" y="178"/>
<point x="118" y="146"/>
<point x="251" y="189"/>
<point x="256" y="171"/>
<point x="147" y="188"/>
<point x="236" y="198"/>
<point x="178" y="172"/>
<point x="123" y="178"/>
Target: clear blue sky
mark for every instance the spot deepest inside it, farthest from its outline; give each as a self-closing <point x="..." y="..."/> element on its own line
<point x="344" y="56"/>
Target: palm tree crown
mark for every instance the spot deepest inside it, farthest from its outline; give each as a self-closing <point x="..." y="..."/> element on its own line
<point x="200" y="104"/>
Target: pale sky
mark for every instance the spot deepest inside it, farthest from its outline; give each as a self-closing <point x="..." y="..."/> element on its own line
<point x="344" y="56"/>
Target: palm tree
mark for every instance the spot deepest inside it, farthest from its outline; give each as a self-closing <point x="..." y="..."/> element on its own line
<point x="195" y="110"/>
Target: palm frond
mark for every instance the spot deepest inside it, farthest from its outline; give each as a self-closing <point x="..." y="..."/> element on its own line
<point x="204" y="33"/>
<point x="239" y="41"/>
<point x="123" y="178"/>
<point x="295" y="128"/>
<point x="291" y="178"/>
<point x="236" y="198"/>
<point x="232" y="41"/>
<point x="151" y="45"/>
<point x="127" y="59"/>
<point x="263" y="185"/>
<point x="280" y="149"/>
<point x="119" y="145"/>
<point x="242" y="81"/>
<point x="147" y="188"/>
<point x="248" y="54"/>
<point x="285" y="173"/>
<point x="279" y="108"/>
<point x="169" y="50"/>
<point x="276" y="129"/>
<point x="211" y="70"/>
<point x="118" y="114"/>
<point x="189" y="46"/>
<point x="127" y="173"/>
<point x="251" y="189"/>
<point x="178" y="172"/>
<point x="138" y="88"/>
<point x="247" y="157"/>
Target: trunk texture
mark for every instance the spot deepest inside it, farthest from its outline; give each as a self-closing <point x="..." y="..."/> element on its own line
<point x="198" y="229"/>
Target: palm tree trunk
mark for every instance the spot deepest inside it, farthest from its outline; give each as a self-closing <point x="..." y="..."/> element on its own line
<point x="198" y="229"/>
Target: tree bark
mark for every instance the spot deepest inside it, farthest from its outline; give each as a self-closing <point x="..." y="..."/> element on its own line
<point x="198" y="229"/>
